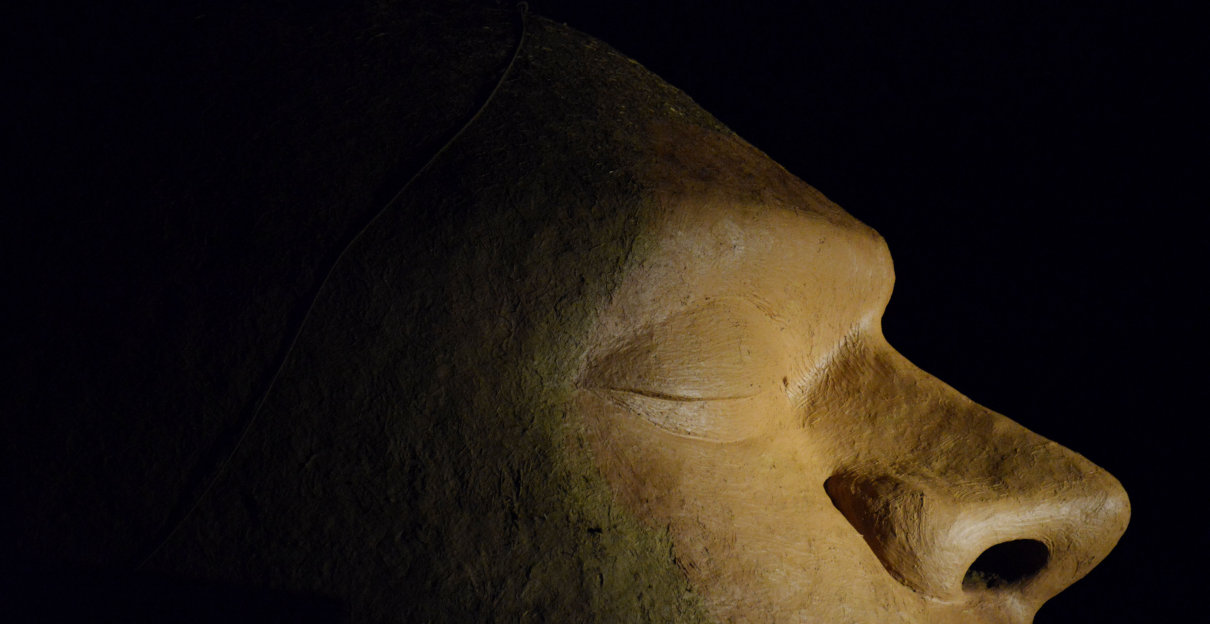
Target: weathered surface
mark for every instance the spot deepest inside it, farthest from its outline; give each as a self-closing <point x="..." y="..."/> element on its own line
<point x="408" y="463"/>
<point x="739" y="391"/>
<point x="499" y="404"/>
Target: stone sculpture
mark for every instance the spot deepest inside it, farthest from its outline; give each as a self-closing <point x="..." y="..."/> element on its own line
<point x="520" y="333"/>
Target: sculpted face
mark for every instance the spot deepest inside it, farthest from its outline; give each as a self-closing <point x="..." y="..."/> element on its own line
<point x="739" y="392"/>
<point x="597" y="360"/>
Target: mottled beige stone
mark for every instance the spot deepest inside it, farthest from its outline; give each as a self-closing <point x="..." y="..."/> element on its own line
<point x="352" y="333"/>
<point x="739" y="391"/>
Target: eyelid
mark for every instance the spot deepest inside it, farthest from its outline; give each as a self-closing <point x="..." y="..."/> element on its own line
<point x="720" y="351"/>
<point x="709" y="420"/>
<point x="664" y="396"/>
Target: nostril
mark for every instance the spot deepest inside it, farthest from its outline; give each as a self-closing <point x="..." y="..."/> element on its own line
<point x="1006" y="564"/>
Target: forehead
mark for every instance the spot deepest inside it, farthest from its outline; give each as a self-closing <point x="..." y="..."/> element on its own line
<point x="730" y="225"/>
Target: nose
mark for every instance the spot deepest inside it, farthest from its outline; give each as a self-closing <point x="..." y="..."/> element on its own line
<point x="981" y="540"/>
<point x="958" y="502"/>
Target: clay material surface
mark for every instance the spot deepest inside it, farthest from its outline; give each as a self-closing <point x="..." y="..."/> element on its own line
<point x="415" y="312"/>
<point x="740" y="392"/>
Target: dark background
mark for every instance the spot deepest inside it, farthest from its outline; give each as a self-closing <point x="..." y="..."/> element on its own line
<point x="1038" y="173"/>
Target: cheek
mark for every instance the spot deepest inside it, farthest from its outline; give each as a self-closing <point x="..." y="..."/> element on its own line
<point x="669" y="479"/>
<point x="750" y="521"/>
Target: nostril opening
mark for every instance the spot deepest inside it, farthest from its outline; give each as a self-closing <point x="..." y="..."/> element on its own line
<point x="1006" y="564"/>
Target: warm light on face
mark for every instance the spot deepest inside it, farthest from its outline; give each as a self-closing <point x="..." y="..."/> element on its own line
<point x="740" y="393"/>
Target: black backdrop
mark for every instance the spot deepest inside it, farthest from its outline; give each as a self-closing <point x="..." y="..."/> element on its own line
<point x="1037" y="172"/>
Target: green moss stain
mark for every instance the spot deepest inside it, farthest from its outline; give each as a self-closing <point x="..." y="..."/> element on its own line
<point x="418" y="459"/>
<point x="546" y="212"/>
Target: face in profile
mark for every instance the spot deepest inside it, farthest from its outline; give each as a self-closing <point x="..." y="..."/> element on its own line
<point x="739" y="392"/>
<point x="602" y="361"/>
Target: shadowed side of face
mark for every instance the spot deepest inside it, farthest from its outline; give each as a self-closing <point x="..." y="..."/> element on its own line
<point x="602" y="361"/>
<point x="740" y="392"/>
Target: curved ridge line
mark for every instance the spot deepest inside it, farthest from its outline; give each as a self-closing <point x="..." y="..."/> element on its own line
<point x="523" y="9"/>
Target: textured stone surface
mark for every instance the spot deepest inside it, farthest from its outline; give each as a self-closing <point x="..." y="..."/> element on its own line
<point x="424" y="450"/>
<point x="407" y="464"/>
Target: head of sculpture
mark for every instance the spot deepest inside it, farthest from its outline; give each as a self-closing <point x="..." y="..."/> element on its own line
<point x="701" y="331"/>
<point x="602" y="358"/>
<point x="739" y="392"/>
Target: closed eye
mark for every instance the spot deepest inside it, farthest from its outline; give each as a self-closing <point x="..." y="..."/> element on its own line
<point x="723" y="419"/>
<point x="721" y="351"/>
<point x="665" y="396"/>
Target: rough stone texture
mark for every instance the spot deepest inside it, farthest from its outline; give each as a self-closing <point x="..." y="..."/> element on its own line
<point x="739" y="390"/>
<point x="268" y="372"/>
<point x="205" y="178"/>
<point x="219" y="167"/>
